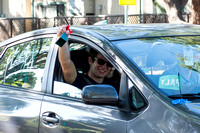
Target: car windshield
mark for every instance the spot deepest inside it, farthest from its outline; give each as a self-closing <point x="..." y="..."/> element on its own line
<point x="171" y="63"/>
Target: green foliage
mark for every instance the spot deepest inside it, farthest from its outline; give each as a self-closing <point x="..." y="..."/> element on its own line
<point x="156" y="4"/>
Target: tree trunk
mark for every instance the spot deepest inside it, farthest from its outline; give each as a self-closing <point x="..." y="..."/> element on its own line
<point x="175" y="10"/>
<point x="195" y="12"/>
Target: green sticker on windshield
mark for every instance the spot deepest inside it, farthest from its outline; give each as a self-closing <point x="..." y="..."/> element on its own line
<point x="169" y="82"/>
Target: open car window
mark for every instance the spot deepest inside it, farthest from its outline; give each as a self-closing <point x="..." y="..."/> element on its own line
<point x="79" y="53"/>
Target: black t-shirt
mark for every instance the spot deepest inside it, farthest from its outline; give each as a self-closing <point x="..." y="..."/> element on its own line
<point x="83" y="80"/>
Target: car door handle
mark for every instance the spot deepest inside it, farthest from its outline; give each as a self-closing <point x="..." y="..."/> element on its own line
<point x="50" y="119"/>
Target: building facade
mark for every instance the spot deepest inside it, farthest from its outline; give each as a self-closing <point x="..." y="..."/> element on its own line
<point x="13" y="8"/>
<point x="54" y="8"/>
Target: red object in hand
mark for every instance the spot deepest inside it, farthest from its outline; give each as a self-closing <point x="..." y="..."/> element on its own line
<point x="67" y="28"/>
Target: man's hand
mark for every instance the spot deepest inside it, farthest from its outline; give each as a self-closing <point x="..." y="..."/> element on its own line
<point x="63" y="33"/>
<point x="110" y="74"/>
<point x="63" y="29"/>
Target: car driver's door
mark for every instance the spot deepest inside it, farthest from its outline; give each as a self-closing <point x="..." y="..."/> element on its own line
<point x="64" y="112"/>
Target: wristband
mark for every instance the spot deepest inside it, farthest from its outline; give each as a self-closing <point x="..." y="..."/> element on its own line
<point x="62" y="40"/>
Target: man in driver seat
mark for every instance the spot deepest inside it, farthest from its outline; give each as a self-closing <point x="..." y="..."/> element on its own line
<point x="99" y="67"/>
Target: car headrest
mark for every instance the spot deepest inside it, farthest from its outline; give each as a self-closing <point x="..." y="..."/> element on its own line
<point x="80" y="59"/>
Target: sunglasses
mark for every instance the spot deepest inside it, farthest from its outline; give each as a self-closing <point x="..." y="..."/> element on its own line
<point x="102" y="62"/>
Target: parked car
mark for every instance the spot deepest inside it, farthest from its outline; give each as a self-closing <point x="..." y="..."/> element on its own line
<point x="157" y="67"/>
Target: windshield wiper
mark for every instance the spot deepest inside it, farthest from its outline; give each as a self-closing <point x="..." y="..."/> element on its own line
<point x="186" y="96"/>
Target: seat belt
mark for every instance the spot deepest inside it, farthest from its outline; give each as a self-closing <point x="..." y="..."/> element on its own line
<point x="87" y="80"/>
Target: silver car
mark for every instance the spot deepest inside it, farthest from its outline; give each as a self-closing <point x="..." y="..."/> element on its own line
<point x="157" y="67"/>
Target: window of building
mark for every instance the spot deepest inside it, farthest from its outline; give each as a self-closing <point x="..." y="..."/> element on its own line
<point x="1" y="8"/>
<point x="51" y="10"/>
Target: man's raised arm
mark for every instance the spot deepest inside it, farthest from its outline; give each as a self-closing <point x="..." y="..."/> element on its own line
<point x="68" y="67"/>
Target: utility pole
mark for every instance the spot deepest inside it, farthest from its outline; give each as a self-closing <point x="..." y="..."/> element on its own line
<point x="125" y="3"/>
<point x="125" y="14"/>
<point x="32" y="7"/>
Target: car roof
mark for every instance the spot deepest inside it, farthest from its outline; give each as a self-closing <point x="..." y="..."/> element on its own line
<point x="121" y="31"/>
<point x="115" y="32"/>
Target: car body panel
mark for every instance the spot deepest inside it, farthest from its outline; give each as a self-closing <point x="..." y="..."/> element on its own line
<point x="75" y="116"/>
<point x="19" y="110"/>
<point x="168" y="119"/>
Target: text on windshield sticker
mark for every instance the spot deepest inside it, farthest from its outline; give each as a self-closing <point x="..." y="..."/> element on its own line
<point x="169" y="82"/>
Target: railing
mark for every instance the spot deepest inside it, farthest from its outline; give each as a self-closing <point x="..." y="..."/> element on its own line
<point x="10" y="27"/>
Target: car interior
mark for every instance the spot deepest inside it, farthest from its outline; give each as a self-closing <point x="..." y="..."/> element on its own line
<point x="79" y="55"/>
<point x="159" y="60"/>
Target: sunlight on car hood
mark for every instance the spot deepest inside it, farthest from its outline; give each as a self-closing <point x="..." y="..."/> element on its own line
<point x="194" y="107"/>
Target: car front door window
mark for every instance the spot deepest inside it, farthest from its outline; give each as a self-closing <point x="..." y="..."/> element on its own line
<point x="79" y="54"/>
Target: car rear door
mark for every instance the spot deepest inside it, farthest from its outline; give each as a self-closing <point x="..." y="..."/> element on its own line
<point x="22" y="84"/>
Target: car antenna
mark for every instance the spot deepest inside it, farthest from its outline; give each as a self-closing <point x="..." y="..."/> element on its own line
<point x="179" y="80"/>
<point x="67" y="21"/>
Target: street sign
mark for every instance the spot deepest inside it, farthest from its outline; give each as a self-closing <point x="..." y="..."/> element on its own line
<point x="127" y="2"/>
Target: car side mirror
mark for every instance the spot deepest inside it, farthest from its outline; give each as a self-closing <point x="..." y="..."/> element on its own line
<point x="100" y="94"/>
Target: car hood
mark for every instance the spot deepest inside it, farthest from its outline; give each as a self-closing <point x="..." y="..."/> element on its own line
<point x="194" y="107"/>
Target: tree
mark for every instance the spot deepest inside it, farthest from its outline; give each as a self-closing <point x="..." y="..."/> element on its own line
<point x="162" y="9"/>
<point x="175" y="10"/>
<point x="195" y="12"/>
